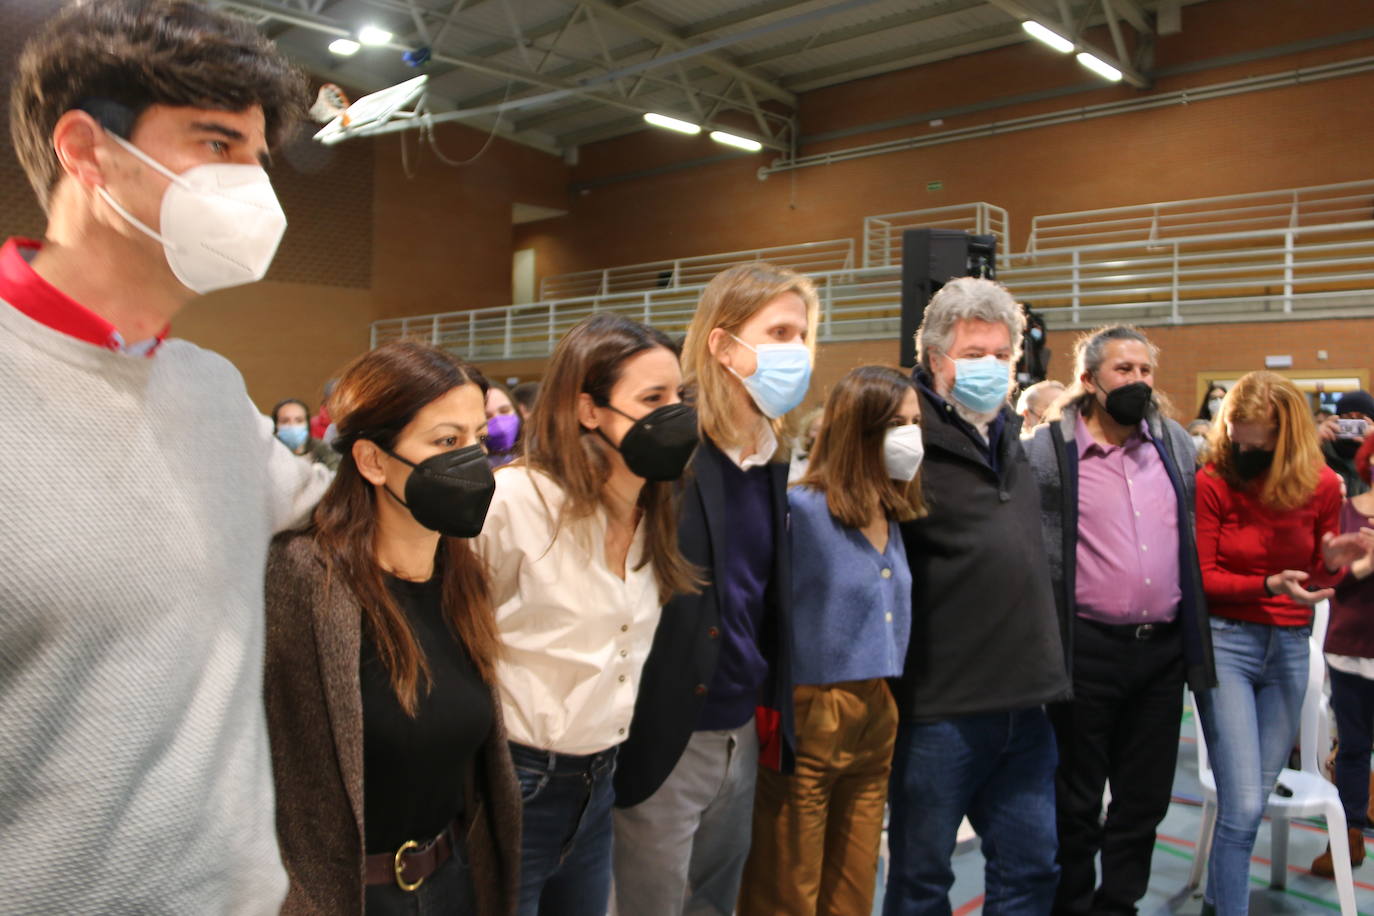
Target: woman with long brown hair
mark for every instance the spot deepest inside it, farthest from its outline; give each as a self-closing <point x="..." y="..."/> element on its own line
<point x="394" y="783"/>
<point x="581" y="543"/>
<point x="817" y="830"/>
<point x="1268" y="514"/>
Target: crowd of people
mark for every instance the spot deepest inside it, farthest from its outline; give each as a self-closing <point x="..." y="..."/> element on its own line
<point x="447" y="647"/>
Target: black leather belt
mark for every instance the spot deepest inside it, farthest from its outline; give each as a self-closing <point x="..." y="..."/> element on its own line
<point x="1134" y="631"/>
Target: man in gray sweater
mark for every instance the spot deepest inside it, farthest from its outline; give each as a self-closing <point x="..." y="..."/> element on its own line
<point x="141" y="486"/>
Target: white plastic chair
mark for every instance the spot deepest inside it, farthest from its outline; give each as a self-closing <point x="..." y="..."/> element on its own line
<point x="1312" y="794"/>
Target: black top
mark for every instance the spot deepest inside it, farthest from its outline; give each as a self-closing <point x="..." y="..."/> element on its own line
<point x="415" y="770"/>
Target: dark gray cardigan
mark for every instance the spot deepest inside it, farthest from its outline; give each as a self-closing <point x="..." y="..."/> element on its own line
<point x="315" y="723"/>
<point x="1053" y="454"/>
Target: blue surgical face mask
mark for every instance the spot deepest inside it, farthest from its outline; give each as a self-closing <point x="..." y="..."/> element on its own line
<point x="293" y="437"/>
<point x="981" y="384"/>
<point x="780" y="379"/>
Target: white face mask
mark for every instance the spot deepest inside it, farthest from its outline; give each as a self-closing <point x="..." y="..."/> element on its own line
<point x="903" y="450"/>
<point x="221" y="223"/>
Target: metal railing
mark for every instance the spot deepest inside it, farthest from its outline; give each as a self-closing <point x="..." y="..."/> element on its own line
<point x="882" y="246"/>
<point x="807" y="258"/>
<point x="1264" y="274"/>
<point x="1292" y="208"/>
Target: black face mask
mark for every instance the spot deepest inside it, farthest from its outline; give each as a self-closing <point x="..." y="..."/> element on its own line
<point x="1250" y="464"/>
<point x="1127" y="404"/>
<point x="660" y="443"/>
<point x="449" y="492"/>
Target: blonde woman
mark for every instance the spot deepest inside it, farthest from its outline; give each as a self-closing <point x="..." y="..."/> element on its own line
<point x="817" y="831"/>
<point x="1268" y="512"/>
<point x="685" y="778"/>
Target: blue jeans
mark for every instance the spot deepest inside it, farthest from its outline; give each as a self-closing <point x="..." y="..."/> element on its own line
<point x="998" y="769"/>
<point x="1250" y="720"/>
<point x="565" y="846"/>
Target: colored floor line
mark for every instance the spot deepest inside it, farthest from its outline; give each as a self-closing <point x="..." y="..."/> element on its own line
<point x="1263" y="882"/>
<point x="1312" y="824"/>
<point x="969" y="907"/>
<point x="1260" y="859"/>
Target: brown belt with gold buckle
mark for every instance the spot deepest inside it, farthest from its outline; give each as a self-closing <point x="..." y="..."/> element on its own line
<point x="412" y="863"/>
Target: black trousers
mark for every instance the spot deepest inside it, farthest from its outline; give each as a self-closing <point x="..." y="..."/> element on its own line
<point x="1121" y="727"/>
<point x="1352" y="700"/>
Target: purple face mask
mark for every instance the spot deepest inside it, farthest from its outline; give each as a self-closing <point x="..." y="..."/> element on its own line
<point x="502" y="430"/>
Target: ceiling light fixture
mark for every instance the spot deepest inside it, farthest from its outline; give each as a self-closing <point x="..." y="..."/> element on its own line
<point x="1099" y="66"/>
<point x="743" y="143"/>
<point x="372" y="35"/>
<point x="682" y="127"/>
<point x="344" y="47"/>
<point x="1048" y="36"/>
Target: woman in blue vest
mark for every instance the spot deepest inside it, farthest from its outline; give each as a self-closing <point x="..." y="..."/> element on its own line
<point x="817" y="831"/>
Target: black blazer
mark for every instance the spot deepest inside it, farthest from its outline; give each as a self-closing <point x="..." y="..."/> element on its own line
<point x="682" y="661"/>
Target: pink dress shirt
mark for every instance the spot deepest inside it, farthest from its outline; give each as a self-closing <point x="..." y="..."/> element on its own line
<point x="1127" y="532"/>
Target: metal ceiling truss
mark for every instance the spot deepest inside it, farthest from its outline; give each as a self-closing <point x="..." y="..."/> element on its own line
<point x="1071" y="26"/>
<point x="650" y="76"/>
<point x="559" y="91"/>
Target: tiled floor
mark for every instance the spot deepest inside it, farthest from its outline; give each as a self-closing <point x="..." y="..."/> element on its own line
<point x="1173" y="859"/>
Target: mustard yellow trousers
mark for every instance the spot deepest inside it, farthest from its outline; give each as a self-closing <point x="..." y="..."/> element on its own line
<point x="817" y="830"/>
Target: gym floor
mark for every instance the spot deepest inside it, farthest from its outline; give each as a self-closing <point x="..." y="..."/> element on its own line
<point x="1173" y="860"/>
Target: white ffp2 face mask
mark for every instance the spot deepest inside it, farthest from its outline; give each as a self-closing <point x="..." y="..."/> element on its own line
<point x="903" y="450"/>
<point x="221" y="223"/>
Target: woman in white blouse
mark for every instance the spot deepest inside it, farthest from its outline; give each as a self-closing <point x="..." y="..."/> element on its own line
<point x="581" y="543"/>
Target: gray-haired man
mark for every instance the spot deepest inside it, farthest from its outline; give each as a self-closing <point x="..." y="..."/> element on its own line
<point x="985" y="654"/>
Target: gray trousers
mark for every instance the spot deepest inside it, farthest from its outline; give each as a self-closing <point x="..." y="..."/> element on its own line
<point x="681" y="852"/>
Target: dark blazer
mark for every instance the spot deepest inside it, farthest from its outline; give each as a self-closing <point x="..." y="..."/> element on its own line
<point x="682" y="661"/>
<point x="315" y="723"/>
<point x="984" y="635"/>
<point x="1053" y="453"/>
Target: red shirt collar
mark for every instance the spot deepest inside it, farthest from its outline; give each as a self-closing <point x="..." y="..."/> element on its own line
<point x="23" y="288"/>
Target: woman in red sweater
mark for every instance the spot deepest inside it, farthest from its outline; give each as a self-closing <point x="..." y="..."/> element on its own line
<point x="1267" y="520"/>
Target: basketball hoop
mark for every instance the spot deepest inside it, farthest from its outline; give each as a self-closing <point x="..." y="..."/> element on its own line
<point x="329" y="104"/>
<point x="371" y="113"/>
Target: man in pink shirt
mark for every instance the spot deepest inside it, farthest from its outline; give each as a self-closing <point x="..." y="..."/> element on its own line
<point x="1116" y="476"/>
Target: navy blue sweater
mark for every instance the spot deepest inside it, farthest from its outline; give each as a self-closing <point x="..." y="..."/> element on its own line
<point x="741" y="668"/>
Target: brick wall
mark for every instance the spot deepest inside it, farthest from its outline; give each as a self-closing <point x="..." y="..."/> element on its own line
<point x="1294" y="136"/>
<point x="1190" y="356"/>
<point x="368" y="240"/>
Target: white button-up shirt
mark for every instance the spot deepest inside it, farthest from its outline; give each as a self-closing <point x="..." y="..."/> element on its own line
<point x="765" y="444"/>
<point x="576" y="635"/>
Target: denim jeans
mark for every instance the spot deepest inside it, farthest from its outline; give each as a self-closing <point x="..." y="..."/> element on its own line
<point x="1250" y="720"/>
<point x="1352" y="700"/>
<point x="996" y="768"/>
<point x="565" y="847"/>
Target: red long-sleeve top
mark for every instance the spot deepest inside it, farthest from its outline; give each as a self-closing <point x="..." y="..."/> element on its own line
<point x="1241" y="542"/>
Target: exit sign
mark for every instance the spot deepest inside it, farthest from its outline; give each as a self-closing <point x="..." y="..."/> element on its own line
<point x="935" y="185"/>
